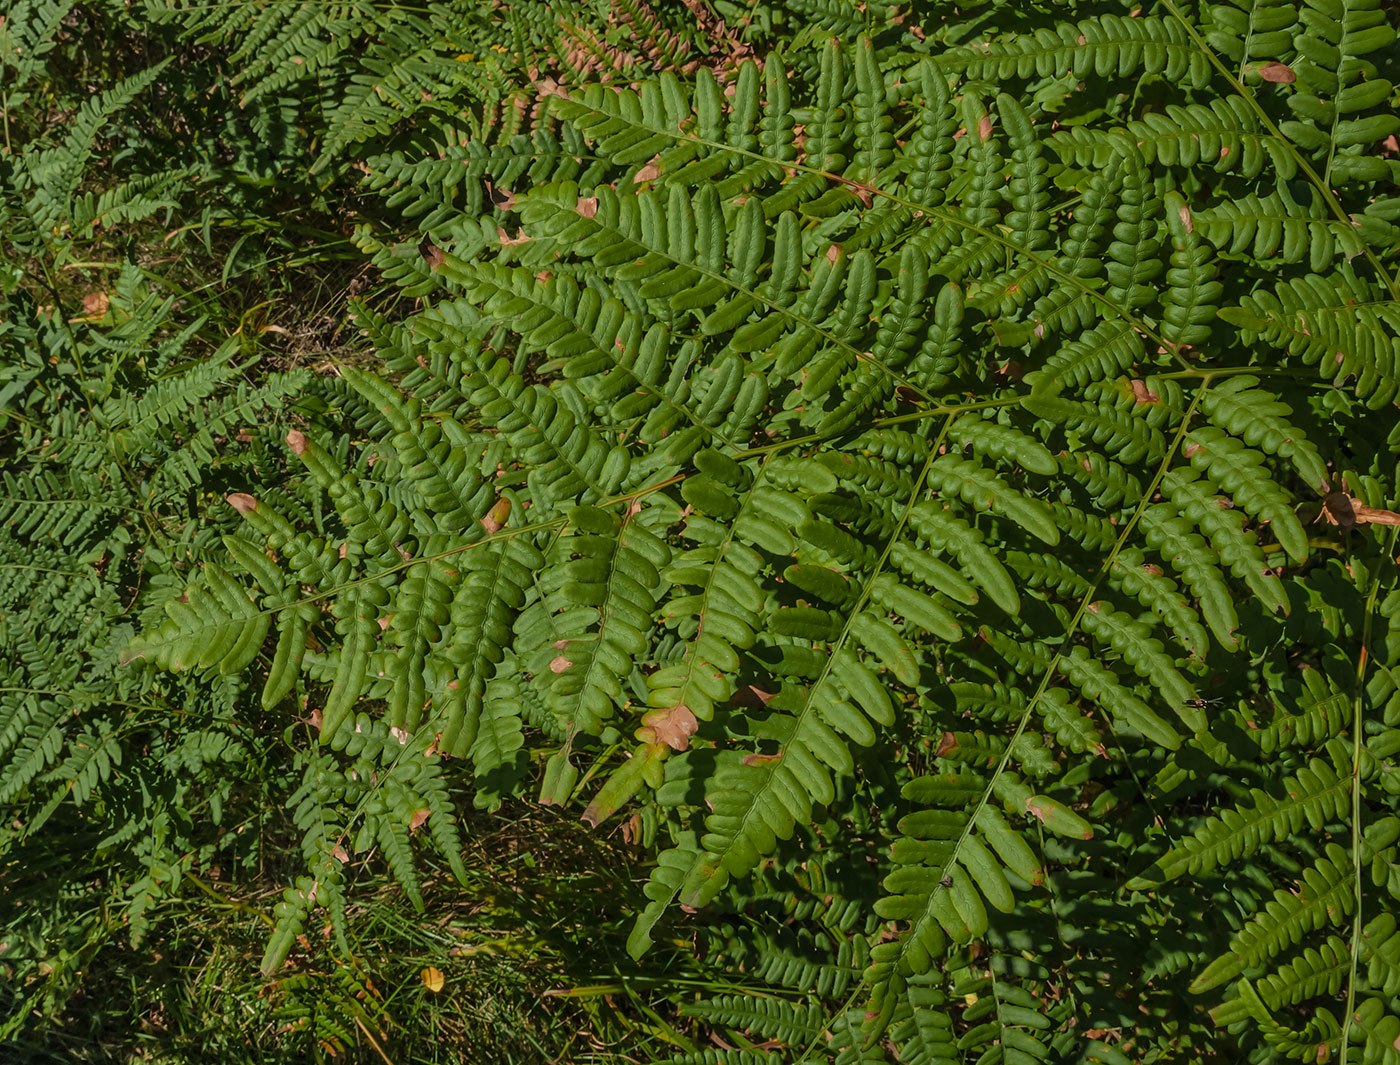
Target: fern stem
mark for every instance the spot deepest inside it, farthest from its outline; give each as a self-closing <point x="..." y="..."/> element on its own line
<point x="1357" y="708"/>
<point x="231" y="903"/>
<point x="885" y="423"/>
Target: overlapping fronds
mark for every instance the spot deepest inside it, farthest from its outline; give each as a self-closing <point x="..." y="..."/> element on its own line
<point x="967" y="451"/>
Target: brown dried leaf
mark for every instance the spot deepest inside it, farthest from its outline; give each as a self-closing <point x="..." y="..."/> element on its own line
<point x="502" y="198"/>
<point x="242" y="502"/>
<point x="673" y="727"/>
<point x="1143" y="394"/>
<point x="752" y="696"/>
<point x="1346" y="511"/>
<point x="559" y="664"/>
<point x="298" y="443"/>
<point x="650" y="172"/>
<point x="495" y="519"/>
<point x="1012" y="370"/>
<point x="432" y="254"/>
<point x="588" y="206"/>
<point x="1277" y="72"/>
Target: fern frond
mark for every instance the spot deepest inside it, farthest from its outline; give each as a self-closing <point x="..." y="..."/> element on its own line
<point x="1316" y="795"/>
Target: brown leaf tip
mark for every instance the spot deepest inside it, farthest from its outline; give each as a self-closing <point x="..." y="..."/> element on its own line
<point x="242" y="502"/>
<point x="298" y="442"/>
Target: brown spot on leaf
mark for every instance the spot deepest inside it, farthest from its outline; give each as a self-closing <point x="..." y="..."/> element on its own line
<point x="761" y="759"/>
<point x="559" y="664"/>
<point x="298" y="442"/>
<point x="947" y="744"/>
<point x="984" y="127"/>
<point x="1184" y="213"/>
<point x="587" y="206"/>
<point x="650" y="172"/>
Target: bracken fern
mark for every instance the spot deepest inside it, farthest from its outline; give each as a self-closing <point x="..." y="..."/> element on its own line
<point x="934" y="483"/>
